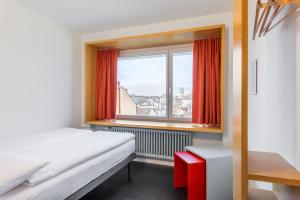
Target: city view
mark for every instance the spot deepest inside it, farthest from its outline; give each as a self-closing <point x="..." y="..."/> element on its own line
<point x="142" y="85"/>
<point x="153" y="106"/>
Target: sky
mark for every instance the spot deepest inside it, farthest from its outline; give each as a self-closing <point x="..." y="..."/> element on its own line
<point x="183" y="72"/>
<point x="146" y="76"/>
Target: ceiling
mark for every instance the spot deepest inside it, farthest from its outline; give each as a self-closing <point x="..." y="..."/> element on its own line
<point x="98" y="15"/>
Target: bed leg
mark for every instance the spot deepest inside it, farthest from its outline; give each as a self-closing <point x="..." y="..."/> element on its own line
<point x="128" y="172"/>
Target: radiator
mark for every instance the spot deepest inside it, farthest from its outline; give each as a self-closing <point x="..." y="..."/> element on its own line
<point x="157" y="144"/>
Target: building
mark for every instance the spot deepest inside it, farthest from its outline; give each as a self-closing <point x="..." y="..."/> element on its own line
<point x="125" y="104"/>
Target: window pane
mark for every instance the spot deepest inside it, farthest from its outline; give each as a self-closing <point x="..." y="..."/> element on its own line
<point x="142" y="86"/>
<point x="182" y="84"/>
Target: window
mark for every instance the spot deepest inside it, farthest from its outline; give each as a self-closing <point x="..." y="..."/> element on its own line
<point x="142" y="86"/>
<point x="155" y="84"/>
<point x="182" y="85"/>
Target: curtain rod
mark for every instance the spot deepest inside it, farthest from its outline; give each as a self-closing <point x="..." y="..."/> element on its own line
<point x="207" y="36"/>
<point x="104" y="49"/>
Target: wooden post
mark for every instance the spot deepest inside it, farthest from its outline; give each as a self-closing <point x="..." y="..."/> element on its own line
<point x="240" y="100"/>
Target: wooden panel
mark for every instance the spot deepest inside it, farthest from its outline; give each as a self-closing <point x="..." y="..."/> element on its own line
<point x="90" y="54"/>
<point x="143" y="41"/>
<point x="271" y="167"/>
<point x="223" y="81"/>
<point x="258" y="194"/>
<point x="240" y="99"/>
<point x="156" y="125"/>
<point x="184" y="36"/>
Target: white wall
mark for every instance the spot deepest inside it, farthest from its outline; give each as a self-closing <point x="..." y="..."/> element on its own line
<point x="297" y="75"/>
<point x="273" y="111"/>
<point x="38" y="72"/>
<point x="222" y="18"/>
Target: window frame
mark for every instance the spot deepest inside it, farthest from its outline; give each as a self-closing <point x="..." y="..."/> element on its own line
<point x="168" y="51"/>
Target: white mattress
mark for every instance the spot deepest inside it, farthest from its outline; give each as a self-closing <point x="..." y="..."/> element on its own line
<point x="77" y="145"/>
<point x="67" y="183"/>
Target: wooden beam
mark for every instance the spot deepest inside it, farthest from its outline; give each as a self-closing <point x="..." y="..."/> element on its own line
<point x="176" y="37"/>
<point x="240" y="100"/>
<point x="90" y="54"/>
<point x="196" y="29"/>
<point x="223" y="79"/>
<point x="284" y="2"/>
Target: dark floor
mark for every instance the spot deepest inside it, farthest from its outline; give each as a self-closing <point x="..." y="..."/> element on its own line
<point x="148" y="182"/>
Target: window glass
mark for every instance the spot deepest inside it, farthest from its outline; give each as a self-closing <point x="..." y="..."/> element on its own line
<point x="142" y="86"/>
<point x="182" y="85"/>
<point x="145" y="78"/>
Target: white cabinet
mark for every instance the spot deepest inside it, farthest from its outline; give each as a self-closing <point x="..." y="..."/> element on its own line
<point x="218" y="170"/>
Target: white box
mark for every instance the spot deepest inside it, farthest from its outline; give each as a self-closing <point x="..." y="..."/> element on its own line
<point x="219" y="170"/>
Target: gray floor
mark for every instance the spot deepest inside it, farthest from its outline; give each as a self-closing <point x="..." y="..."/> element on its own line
<point x="148" y="182"/>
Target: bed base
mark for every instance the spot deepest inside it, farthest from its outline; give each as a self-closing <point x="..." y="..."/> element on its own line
<point x="95" y="183"/>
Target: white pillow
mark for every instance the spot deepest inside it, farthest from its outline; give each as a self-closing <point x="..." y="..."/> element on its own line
<point x="16" y="169"/>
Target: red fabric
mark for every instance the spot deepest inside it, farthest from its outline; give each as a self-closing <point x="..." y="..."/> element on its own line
<point x="106" y="84"/>
<point x="206" y="82"/>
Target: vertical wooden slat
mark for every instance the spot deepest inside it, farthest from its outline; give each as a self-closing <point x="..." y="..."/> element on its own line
<point x="240" y="100"/>
<point x="90" y="54"/>
<point x="223" y="72"/>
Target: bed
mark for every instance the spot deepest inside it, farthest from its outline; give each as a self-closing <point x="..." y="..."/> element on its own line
<point x="78" y="178"/>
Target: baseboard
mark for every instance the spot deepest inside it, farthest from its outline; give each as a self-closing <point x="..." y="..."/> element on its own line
<point x="155" y="162"/>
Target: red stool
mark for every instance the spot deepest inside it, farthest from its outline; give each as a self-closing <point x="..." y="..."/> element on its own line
<point x="190" y="171"/>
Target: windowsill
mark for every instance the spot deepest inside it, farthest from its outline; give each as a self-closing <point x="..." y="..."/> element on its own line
<point x="157" y="125"/>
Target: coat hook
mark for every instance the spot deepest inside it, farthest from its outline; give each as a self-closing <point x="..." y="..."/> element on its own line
<point x="263" y="22"/>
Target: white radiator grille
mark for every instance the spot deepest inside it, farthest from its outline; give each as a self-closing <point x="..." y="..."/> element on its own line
<point x="157" y="144"/>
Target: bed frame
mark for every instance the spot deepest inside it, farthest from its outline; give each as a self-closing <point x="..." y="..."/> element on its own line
<point x="95" y="183"/>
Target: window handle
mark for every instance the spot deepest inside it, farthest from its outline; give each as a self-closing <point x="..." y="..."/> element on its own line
<point x="170" y="91"/>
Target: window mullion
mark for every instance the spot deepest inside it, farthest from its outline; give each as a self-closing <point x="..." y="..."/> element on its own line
<point x="170" y="85"/>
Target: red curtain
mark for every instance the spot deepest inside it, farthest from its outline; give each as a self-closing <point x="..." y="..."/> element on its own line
<point x="106" y="84"/>
<point x="206" y="82"/>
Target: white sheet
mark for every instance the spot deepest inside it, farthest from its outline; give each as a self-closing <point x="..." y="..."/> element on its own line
<point x="74" y="148"/>
<point x="27" y="141"/>
<point x="69" y="152"/>
<point x="15" y="169"/>
<point x="67" y="183"/>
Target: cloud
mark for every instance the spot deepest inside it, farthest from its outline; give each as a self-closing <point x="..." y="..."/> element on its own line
<point x="146" y="76"/>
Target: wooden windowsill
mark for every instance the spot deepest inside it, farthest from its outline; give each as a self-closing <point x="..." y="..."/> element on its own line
<point x="157" y="125"/>
<point x="271" y="167"/>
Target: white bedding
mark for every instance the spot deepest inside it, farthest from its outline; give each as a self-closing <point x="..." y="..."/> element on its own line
<point x="65" y="151"/>
<point x="15" y="169"/>
<point x="67" y="183"/>
<point x="27" y="141"/>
